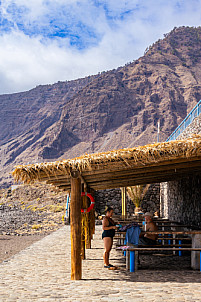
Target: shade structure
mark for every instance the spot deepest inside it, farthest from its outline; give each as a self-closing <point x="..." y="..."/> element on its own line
<point x="151" y="163"/>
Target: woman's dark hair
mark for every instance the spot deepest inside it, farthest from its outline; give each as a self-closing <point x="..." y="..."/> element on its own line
<point x="109" y="209"/>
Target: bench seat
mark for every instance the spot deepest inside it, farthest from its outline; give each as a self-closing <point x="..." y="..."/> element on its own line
<point x="132" y="253"/>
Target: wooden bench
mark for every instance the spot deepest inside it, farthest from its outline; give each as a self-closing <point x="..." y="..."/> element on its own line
<point x="194" y="249"/>
<point x="162" y="239"/>
<point x="132" y="254"/>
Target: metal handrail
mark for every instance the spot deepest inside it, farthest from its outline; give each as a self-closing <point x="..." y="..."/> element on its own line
<point x="186" y="122"/>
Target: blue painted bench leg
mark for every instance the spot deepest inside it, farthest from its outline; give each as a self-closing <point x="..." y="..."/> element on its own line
<point x="179" y="247"/>
<point x="132" y="261"/>
<point x="169" y="241"/>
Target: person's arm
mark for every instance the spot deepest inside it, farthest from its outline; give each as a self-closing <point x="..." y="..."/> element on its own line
<point x="142" y="234"/>
<point x="152" y="228"/>
<point x="106" y="227"/>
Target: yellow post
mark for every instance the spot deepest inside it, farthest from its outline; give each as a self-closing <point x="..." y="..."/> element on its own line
<point x="123" y="195"/>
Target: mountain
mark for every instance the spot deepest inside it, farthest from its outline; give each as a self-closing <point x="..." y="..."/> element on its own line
<point x="114" y="109"/>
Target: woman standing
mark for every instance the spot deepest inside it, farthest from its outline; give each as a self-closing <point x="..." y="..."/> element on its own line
<point x="109" y="228"/>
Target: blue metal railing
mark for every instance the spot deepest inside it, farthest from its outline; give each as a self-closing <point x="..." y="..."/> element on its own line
<point x="186" y="122"/>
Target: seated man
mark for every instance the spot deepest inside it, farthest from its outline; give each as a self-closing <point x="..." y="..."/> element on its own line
<point x="150" y="226"/>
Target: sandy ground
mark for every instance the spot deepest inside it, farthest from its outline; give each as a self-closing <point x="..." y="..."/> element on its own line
<point x="11" y="245"/>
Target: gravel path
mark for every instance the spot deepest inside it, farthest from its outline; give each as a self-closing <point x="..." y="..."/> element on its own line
<point x="41" y="272"/>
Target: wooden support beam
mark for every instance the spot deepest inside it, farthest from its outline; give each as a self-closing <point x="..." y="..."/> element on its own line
<point x="134" y="176"/>
<point x="109" y="184"/>
<point x="118" y="183"/>
<point x="75" y="223"/>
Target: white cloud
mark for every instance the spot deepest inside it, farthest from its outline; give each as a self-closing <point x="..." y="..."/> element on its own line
<point x="110" y="32"/>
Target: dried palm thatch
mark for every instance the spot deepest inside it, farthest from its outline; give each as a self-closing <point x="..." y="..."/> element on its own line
<point x="137" y="193"/>
<point x="112" y="160"/>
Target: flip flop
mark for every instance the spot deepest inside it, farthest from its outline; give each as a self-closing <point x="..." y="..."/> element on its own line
<point x="110" y="266"/>
<point x="113" y="267"/>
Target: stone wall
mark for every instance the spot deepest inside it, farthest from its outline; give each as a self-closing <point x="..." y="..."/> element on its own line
<point x="193" y="128"/>
<point x="112" y="197"/>
<point x="181" y="200"/>
<point x="151" y="201"/>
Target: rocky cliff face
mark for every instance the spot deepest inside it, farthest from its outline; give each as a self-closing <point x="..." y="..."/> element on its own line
<point x="115" y="109"/>
<point x="28" y="116"/>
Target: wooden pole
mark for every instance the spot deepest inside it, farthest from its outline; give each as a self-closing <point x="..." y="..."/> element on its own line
<point x="75" y="223"/>
<point x="93" y="211"/>
<point x="87" y="227"/>
<point x="88" y="241"/>
<point x="84" y="206"/>
<point x="91" y="224"/>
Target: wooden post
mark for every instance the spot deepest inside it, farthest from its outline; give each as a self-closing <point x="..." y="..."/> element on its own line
<point x="83" y="239"/>
<point x="123" y="195"/>
<point x="93" y="222"/>
<point x="88" y="229"/>
<point x="93" y="211"/>
<point x="88" y="241"/>
<point x="75" y="223"/>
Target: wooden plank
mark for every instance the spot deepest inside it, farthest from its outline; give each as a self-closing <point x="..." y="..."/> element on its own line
<point x="160" y="238"/>
<point x="182" y="245"/>
<point x="75" y="223"/>
<point x="100" y="185"/>
<point x="144" y="175"/>
<point x="110" y="184"/>
<point x="176" y="232"/>
<point x="123" y="176"/>
<point x="170" y="232"/>
<point x="161" y="249"/>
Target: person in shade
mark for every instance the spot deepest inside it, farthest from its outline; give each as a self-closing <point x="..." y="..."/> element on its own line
<point x="109" y="228"/>
<point x="150" y="226"/>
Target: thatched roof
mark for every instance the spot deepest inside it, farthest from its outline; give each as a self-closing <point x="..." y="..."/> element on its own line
<point x="143" y="164"/>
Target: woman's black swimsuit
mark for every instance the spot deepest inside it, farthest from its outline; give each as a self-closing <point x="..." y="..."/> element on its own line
<point x="109" y="233"/>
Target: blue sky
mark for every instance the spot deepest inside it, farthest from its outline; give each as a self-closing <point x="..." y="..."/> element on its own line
<point x="45" y="41"/>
